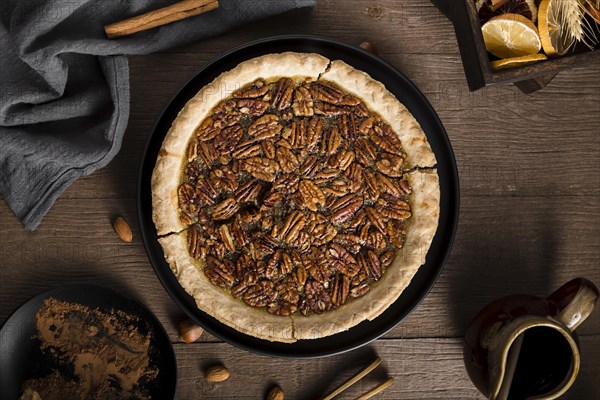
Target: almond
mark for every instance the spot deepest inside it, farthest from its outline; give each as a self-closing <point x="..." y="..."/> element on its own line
<point x="216" y="373"/>
<point x="123" y="230"/>
<point x="189" y="332"/>
<point x="370" y="47"/>
<point x="276" y="394"/>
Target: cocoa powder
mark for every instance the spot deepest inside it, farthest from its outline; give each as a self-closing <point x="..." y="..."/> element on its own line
<point x="96" y="355"/>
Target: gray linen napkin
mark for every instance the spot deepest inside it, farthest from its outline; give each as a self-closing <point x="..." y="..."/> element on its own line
<point x="64" y="88"/>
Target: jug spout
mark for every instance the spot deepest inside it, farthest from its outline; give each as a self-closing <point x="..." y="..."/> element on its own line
<point x="521" y="348"/>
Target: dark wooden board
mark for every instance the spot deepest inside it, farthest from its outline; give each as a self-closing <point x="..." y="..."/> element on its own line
<point x="529" y="167"/>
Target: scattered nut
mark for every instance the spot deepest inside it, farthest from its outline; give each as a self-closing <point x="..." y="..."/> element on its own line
<point x="216" y="373"/>
<point x="370" y="47"/>
<point x="123" y="230"/>
<point x="189" y="332"/>
<point x="276" y="394"/>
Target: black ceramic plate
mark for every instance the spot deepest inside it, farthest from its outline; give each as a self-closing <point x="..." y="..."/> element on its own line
<point x="19" y="353"/>
<point x="416" y="103"/>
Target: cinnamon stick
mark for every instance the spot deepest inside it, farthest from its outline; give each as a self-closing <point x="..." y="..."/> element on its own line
<point x="162" y="16"/>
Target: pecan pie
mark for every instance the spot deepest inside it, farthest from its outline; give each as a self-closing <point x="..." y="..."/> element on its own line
<point x="295" y="197"/>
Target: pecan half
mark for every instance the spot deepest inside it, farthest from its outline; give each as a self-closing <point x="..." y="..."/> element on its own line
<point x="342" y="260"/>
<point x="188" y="199"/>
<point x="292" y="227"/>
<point x="314" y="133"/>
<point x="330" y="110"/>
<point x="283" y="94"/>
<point x="219" y="273"/>
<point x="317" y="297"/>
<point x="256" y="89"/>
<point x="206" y="191"/>
<point x="376" y="219"/>
<point x="265" y="127"/>
<point x="323" y="233"/>
<point x="247" y="150"/>
<point x="309" y="166"/>
<point x="365" y="151"/>
<point x="371" y="264"/>
<point x="340" y="289"/>
<point x="300" y="275"/>
<point x="286" y="183"/>
<point x="282" y="308"/>
<point x="207" y="153"/>
<point x="208" y="130"/>
<point x="222" y="178"/>
<point x="268" y="148"/>
<point x="376" y="241"/>
<point x="345" y="207"/>
<point x="240" y="235"/>
<point x="225" y="209"/>
<point x="260" y="294"/>
<point x="348" y="128"/>
<point x="303" y="103"/>
<point x="248" y="192"/>
<point x="227" y="238"/>
<point x="332" y="142"/>
<point x="194" y="240"/>
<point x="312" y="195"/>
<point x="261" y="168"/>
<point x="287" y="159"/>
<point x="352" y="243"/>
<point x="253" y="107"/>
<point x="323" y="91"/>
<point x="390" y="165"/>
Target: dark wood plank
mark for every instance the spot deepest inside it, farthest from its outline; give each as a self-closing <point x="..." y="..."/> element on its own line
<point x="422" y="369"/>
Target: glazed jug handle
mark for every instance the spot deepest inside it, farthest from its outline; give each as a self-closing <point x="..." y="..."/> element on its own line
<point x="575" y="300"/>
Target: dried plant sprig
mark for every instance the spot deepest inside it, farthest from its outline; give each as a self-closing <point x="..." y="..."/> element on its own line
<point x="572" y="19"/>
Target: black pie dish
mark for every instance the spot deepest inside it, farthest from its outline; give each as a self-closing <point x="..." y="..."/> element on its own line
<point x="20" y="355"/>
<point x="416" y="103"/>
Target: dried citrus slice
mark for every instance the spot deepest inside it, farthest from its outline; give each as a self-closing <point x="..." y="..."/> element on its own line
<point x="511" y="35"/>
<point x="555" y="39"/>
<point x="517" y="61"/>
<point x="486" y="9"/>
<point x="593" y="10"/>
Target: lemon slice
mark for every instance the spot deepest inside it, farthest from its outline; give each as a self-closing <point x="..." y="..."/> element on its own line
<point x="511" y="35"/>
<point x="555" y="40"/>
<point x="517" y="61"/>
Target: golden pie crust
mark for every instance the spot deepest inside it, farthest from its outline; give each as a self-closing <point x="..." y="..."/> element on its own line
<point x="420" y="172"/>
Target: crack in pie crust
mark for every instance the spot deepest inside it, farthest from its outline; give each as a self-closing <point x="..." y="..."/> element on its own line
<point x="295" y="197"/>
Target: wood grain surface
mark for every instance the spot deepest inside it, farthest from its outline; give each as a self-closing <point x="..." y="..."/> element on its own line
<point x="530" y="210"/>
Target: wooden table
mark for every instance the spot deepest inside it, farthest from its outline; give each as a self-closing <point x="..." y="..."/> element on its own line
<point x="530" y="211"/>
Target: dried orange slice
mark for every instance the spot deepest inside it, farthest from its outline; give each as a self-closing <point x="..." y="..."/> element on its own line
<point x="555" y="39"/>
<point x="511" y="35"/>
<point x="513" y="62"/>
<point x="593" y="10"/>
<point x="486" y="9"/>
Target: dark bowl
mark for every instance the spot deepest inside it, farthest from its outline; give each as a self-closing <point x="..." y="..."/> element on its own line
<point x="20" y="352"/>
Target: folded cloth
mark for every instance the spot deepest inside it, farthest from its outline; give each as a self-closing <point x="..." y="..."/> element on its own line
<point x="65" y="87"/>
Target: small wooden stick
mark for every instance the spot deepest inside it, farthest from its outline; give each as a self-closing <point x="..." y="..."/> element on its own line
<point x="377" y="389"/>
<point x="353" y="380"/>
<point x="162" y="16"/>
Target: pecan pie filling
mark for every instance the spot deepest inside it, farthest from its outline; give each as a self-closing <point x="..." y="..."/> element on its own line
<point x="295" y="196"/>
